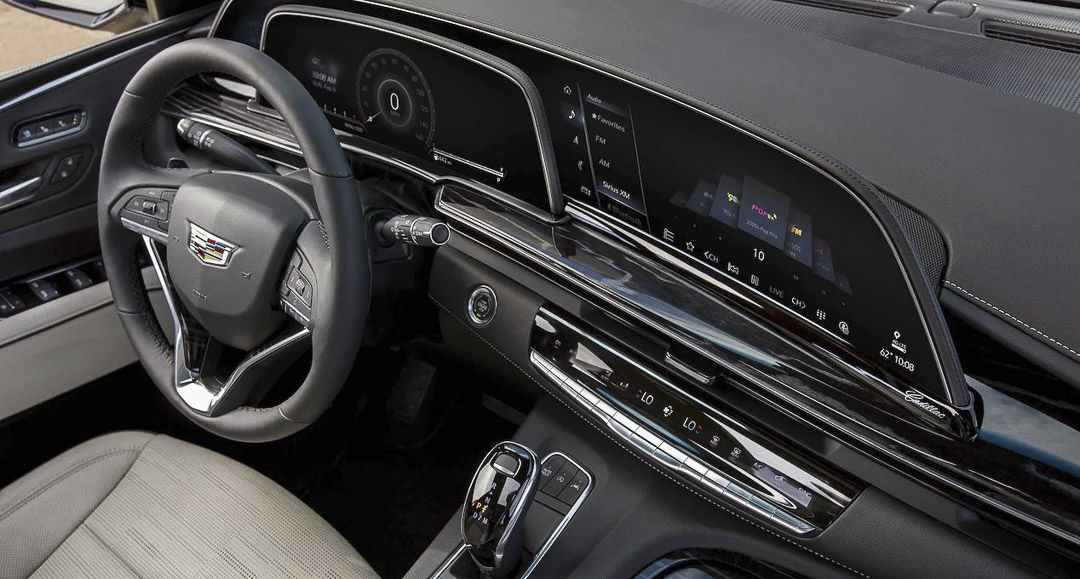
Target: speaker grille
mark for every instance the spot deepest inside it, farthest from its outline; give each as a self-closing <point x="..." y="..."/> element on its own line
<point x="1053" y="38"/>
<point x="874" y="8"/>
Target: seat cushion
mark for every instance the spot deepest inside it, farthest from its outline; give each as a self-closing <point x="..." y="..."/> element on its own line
<point x="135" y="504"/>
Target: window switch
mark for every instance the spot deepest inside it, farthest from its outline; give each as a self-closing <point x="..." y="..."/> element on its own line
<point x="6" y="309"/>
<point x="17" y="303"/>
<point x="78" y="279"/>
<point x="45" y="290"/>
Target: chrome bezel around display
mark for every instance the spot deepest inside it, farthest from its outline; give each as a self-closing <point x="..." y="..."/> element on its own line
<point x="504" y="69"/>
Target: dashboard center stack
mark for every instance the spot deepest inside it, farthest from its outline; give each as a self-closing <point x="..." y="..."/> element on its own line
<point x="684" y="435"/>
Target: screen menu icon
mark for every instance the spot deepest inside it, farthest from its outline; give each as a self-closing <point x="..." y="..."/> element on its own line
<point x="763" y="212"/>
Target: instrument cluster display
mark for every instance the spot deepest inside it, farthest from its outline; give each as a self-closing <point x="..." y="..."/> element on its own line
<point x="439" y="111"/>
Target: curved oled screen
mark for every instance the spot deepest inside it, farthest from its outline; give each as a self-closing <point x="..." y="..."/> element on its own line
<point x="742" y="211"/>
<point x="445" y="113"/>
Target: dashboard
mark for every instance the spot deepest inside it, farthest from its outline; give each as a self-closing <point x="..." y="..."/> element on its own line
<point x="745" y="258"/>
<point x="737" y="210"/>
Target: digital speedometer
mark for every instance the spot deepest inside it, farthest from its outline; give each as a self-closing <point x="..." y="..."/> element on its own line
<point x="395" y="101"/>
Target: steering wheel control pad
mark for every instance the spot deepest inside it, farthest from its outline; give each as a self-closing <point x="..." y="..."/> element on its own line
<point x="230" y="236"/>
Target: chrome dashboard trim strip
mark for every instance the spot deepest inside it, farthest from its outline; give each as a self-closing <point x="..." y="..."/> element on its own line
<point x="291" y="147"/>
<point x="642" y="437"/>
<point x="829" y="492"/>
<point x="647" y="243"/>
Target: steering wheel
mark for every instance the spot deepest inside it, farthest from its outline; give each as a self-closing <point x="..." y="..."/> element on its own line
<point x="255" y="267"/>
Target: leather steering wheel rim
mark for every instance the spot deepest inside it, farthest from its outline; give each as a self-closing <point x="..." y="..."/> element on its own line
<point x="335" y="338"/>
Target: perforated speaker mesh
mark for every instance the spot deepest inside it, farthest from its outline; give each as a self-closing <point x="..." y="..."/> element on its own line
<point x="1048" y="76"/>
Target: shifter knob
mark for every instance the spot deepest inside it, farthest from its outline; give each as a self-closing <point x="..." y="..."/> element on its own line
<point x="494" y="515"/>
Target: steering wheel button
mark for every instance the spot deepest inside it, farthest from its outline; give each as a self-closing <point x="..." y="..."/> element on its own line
<point x="300" y="284"/>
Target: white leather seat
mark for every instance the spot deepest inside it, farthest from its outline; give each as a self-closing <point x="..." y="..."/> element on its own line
<point x="136" y="504"/>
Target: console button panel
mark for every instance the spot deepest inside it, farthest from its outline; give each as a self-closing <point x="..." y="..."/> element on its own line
<point x="687" y="437"/>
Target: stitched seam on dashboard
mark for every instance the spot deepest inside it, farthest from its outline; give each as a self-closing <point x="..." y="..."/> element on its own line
<point x="1011" y="317"/>
<point x="545" y="388"/>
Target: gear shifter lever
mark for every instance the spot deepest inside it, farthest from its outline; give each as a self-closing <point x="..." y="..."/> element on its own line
<point x="494" y="514"/>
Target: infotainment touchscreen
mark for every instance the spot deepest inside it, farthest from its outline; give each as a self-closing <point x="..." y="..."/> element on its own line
<point x="739" y="208"/>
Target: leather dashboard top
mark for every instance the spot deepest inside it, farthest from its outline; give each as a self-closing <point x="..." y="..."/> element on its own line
<point x="996" y="173"/>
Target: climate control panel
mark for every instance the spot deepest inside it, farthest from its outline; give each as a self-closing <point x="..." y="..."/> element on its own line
<point x="688" y="438"/>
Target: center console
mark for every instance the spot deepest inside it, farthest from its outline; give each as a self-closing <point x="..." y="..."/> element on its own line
<point x="514" y="512"/>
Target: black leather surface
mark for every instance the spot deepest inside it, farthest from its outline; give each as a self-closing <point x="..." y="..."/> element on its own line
<point x="995" y="172"/>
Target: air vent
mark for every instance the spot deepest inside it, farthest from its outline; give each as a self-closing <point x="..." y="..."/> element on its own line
<point x="874" y="8"/>
<point x="1032" y="35"/>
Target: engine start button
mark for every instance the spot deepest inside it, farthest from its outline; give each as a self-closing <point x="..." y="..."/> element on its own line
<point x="482" y="305"/>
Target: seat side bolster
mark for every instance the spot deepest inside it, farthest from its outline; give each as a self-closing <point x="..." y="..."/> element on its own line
<point x="41" y="509"/>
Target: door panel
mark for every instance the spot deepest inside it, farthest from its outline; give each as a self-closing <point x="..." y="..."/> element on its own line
<point x="58" y="329"/>
<point x="44" y="100"/>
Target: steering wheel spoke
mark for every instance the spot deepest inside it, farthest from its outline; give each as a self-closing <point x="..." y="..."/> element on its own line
<point x="210" y="377"/>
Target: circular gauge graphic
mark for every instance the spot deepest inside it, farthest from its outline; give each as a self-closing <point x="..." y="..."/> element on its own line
<point x="394" y="98"/>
